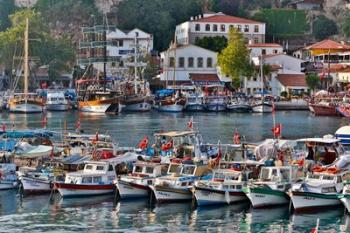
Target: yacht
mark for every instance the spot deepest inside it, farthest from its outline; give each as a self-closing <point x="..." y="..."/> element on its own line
<point x="56" y="101"/>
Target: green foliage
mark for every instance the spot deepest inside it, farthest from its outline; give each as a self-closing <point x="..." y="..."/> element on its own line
<point x="320" y="24"/>
<point x="217" y="43"/>
<point x="158" y="17"/>
<point x="312" y="80"/>
<point x="345" y="26"/>
<point x="283" y="23"/>
<point x="57" y="53"/>
<point x="284" y="94"/>
<point x="234" y="58"/>
<point x="7" y="8"/>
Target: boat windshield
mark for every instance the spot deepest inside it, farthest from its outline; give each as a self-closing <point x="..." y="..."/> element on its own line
<point x="188" y="170"/>
<point x="149" y="170"/>
<point x="313" y="176"/>
<point x="326" y="177"/>
<point x="138" y="169"/>
<point x="173" y="168"/>
<point x="265" y="174"/>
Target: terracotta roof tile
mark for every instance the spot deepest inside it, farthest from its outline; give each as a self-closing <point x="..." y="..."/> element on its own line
<point x="328" y="44"/>
<point x="204" y="77"/>
<point x="219" y="18"/>
<point x="292" y="80"/>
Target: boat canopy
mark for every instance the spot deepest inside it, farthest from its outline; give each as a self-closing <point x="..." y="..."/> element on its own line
<point x="319" y="140"/>
<point x="175" y="133"/>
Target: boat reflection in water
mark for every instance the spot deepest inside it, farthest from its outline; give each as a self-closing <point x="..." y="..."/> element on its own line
<point x="8" y="201"/>
<point x="330" y="219"/>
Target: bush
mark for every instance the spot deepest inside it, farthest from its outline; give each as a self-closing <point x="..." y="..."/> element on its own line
<point x="323" y="28"/>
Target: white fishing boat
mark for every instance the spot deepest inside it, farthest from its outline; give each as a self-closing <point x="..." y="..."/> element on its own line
<point x="321" y="188"/>
<point x="194" y="102"/>
<point x="56" y="101"/>
<point x="224" y="188"/>
<point x="37" y="182"/>
<point x="137" y="183"/>
<point x="272" y="186"/>
<point x="263" y="107"/>
<point x="8" y="178"/>
<point x="96" y="179"/>
<point x="25" y="150"/>
<point x="177" y="185"/>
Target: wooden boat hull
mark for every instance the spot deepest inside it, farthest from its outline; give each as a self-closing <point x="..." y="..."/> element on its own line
<point x="76" y="190"/>
<point x="35" y="186"/>
<point x="264" y="197"/>
<point x="57" y="107"/>
<point x="97" y="106"/>
<point x="324" y="110"/>
<point x="303" y="201"/>
<point x="262" y="108"/>
<point x="167" y="194"/>
<point x="132" y="190"/>
<point x="25" y="107"/>
<point x="207" y="196"/>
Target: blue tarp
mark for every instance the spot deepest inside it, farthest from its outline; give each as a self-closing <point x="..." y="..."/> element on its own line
<point x="8" y="145"/>
<point x="27" y="134"/>
<point x="165" y="92"/>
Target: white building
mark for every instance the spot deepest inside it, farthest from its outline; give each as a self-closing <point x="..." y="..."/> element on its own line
<point x="290" y="83"/>
<point x="179" y="63"/>
<point x="288" y="64"/>
<point x="218" y="24"/>
<point x="258" y="49"/>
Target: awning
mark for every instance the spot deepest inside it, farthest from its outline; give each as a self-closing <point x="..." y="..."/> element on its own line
<point x="205" y="79"/>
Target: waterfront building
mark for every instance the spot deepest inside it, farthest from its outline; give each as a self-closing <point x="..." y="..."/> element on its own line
<point x="293" y="84"/>
<point x="213" y="24"/>
<point x="259" y="49"/>
<point x="181" y="62"/>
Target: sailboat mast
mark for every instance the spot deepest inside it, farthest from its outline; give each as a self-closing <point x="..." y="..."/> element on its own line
<point x="135" y="64"/>
<point x="104" y="53"/>
<point x="25" y="64"/>
<point x="262" y="77"/>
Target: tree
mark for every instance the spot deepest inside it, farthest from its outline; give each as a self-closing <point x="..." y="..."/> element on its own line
<point x="345" y="26"/>
<point x="234" y="59"/>
<point x="216" y="43"/>
<point x="6" y="9"/>
<point x="320" y="24"/>
<point x="312" y="81"/>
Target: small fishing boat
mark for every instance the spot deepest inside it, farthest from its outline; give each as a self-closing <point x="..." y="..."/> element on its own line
<point x="37" y="182"/>
<point x="137" y="183"/>
<point x="96" y="179"/>
<point x="215" y="103"/>
<point x="194" y="102"/>
<point x="239" y="106"/>
<point x="169" y="101"/>
<point x="272" y="186"/>
<point x="56" y="101"/>
<point x="324" y="109"/>
<point x="321" y="188"/>
<point x="224" y="188"/>
<point x="8" y="178"/>
<point x="178" y="183"/>
<point x="137" y="103"/>
<point x="262" y="104"/>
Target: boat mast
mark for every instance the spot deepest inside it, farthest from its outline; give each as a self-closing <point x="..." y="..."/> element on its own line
<point x="262" y="77"/>
<point x="104" y="52"/>
<point x="135" y="63"/>
<point x="25" y="64"/>
<point x="175" y="47"/>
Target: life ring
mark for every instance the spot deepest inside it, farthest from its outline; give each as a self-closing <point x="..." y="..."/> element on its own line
<point x="318" y="169"/>
<point x="333" y="170"/>
<point x="167" y="146"/>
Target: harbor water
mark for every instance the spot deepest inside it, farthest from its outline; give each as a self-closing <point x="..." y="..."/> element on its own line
<point x="47" y="213"/>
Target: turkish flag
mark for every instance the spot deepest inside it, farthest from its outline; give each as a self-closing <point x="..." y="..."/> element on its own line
<point x="277" y="130"/>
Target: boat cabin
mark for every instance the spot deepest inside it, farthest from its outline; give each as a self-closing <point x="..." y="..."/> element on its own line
<point x="56" y="97"/>
<point x="320" y="150"/>
<point x="278" y="174"/>
<point x="143" y="169"/>
<point x="179" y="169"/>
<point x="229" y="175"/>
<point x="93" y="173"/>
<point x="328" y="180"/>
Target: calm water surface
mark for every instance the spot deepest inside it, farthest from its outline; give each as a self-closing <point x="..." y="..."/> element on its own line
<point x="102" y="214"/>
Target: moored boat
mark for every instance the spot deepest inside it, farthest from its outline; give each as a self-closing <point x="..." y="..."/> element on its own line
<point x="8" y="178"/>
<point x="345" y="197"/>
<point x="169" y="101"/>
<point x="177" y="185"/>
<point x="96" y="179"/>
<point x="56" y="101"/>
<point x="272" y="186"/>
<point x="324" y="109"/>
<point x="137" y="183"/>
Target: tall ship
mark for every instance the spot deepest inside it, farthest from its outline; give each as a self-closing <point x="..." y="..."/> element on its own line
<point x="25" y="102"/>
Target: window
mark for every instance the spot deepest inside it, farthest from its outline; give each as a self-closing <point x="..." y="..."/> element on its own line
<point x="215" y="27"/>
<point x="173" y="168"/>
<point x="138" y="169"/>
<point x="209" y="62"/>
<point x="197" y="27"/>
<point x="171" y="62"/>
<point x="246" y="28"/>
<point x="121" y="43"/>
<point x="110" y="168"/>
<point x="87" y="180"/>
<point x="231" y="27"/>
<point x="188" y="170"/>
<point x="149" y="170"/>
<point x="207" y="27"/>
<point x="200" y="62"/>
<point x="275" y="51"/>
<point x="181" y="62"/>
<point x="256" y="28"/>
<point x="190" y="62"/>
<point x="88" y="167"/>
<point x="239" y="28"/>
<point x="222" y="27"/>
<point x="263" y="51"/>
<point x="100" y="168"/>
<point x="256" y="40"/>
<point x="97" y="179"/>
